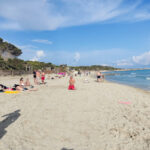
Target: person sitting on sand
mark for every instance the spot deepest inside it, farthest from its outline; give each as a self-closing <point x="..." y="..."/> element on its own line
<point x="27" y="83"/>
<point x="22" y="84"/>
<point x="71" y="83"/>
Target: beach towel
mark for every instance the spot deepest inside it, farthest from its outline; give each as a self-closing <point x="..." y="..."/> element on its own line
<point x="11" y="92"/>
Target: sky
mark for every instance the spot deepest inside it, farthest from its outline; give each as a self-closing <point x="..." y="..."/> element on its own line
<point x="79" y="32"/>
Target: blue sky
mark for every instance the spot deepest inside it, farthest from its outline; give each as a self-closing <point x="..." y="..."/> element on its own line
<point x="79" y="32"/>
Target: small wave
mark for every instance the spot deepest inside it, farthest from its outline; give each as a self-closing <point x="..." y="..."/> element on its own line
<point x="133" y="73"/>
<point x="148" y="78"/>
<point x="132" y="76"/>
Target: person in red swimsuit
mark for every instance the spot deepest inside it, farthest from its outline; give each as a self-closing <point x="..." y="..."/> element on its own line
<point x="71" y="83"/>
<point x="43" y="77"/>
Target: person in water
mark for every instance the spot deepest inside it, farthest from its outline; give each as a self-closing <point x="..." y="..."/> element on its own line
<point x="71" y="83"/>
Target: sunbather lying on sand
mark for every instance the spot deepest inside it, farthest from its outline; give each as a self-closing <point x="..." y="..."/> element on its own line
<point x="5" y="88"/>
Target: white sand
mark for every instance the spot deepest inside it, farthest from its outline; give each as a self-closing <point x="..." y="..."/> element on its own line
<point x="90" y="118"/>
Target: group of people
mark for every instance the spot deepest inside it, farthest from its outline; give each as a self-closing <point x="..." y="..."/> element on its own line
<point x="100" y="77"/>
<point x="26" y="85"/>
<point x="38" y="75"/>
<point x="22" y="86"/>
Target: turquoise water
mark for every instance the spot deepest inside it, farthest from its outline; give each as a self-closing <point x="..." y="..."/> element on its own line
<point x="137" y="78"/>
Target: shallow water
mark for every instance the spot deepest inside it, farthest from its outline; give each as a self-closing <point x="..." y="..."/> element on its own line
<point x="136" y="78"/>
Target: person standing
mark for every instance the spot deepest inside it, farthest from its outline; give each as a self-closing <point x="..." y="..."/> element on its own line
<point x="99" y="76"/>
<point x="38" y="76"/>
<point x="34" y="77"/>
<point x="42" y="77"/>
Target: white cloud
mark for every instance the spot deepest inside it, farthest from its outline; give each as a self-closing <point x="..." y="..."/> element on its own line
<point x="77" y="56"/>
<point x="104" y="65"/>
<point x="93" y="57"/>
<point x="142" y="16"/>
<point x="31" y="52"/>
<point x="25" y="47"/>
<point x="124" y="63"/>
<point x="105" y="57"/>
<point x="52" y="14"/>
<point x="10" y="25"/>
<point x="42" y="41"/>
<point x="40" y="54"/>
<point x="135" y="61"/>
<point x="143" y="59"/>
<point x="34" y="58"/>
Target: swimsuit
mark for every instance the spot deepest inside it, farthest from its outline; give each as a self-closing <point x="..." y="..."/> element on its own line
<point x="3" y="86"/>
<point x="71" y="87"/>
<point x="43" y="78"/>
<point x="34" y="74"/>
<point x="99" y="77"/>
<point x="15" y="86"/>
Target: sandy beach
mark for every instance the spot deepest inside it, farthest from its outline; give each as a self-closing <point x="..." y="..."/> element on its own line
<point x="96" y="116"/>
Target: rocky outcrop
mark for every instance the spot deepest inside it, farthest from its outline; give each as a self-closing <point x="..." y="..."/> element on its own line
<point x="8" y="50"/>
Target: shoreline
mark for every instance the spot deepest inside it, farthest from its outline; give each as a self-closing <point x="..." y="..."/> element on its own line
<point x="146" y="90"/>
<point x="105" y="80"/>
<point x="131" y="78"/>
<point x="128" y="85"/>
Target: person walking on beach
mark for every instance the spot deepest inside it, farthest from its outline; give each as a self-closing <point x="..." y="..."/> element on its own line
<point x="34" y="77"/>
<point x="38" y="74"/>
<point x="79" y="73"/>
<point x="71" y="83"/>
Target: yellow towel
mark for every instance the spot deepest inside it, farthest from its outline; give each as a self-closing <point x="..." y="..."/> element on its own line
<point x="11" y="92"/>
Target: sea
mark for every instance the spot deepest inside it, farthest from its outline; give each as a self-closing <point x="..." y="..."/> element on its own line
<point x="135" y="78"/>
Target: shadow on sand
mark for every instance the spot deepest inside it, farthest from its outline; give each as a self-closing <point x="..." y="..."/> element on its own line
<point x="10" y="118"/>
<point x="66" y="149"/>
